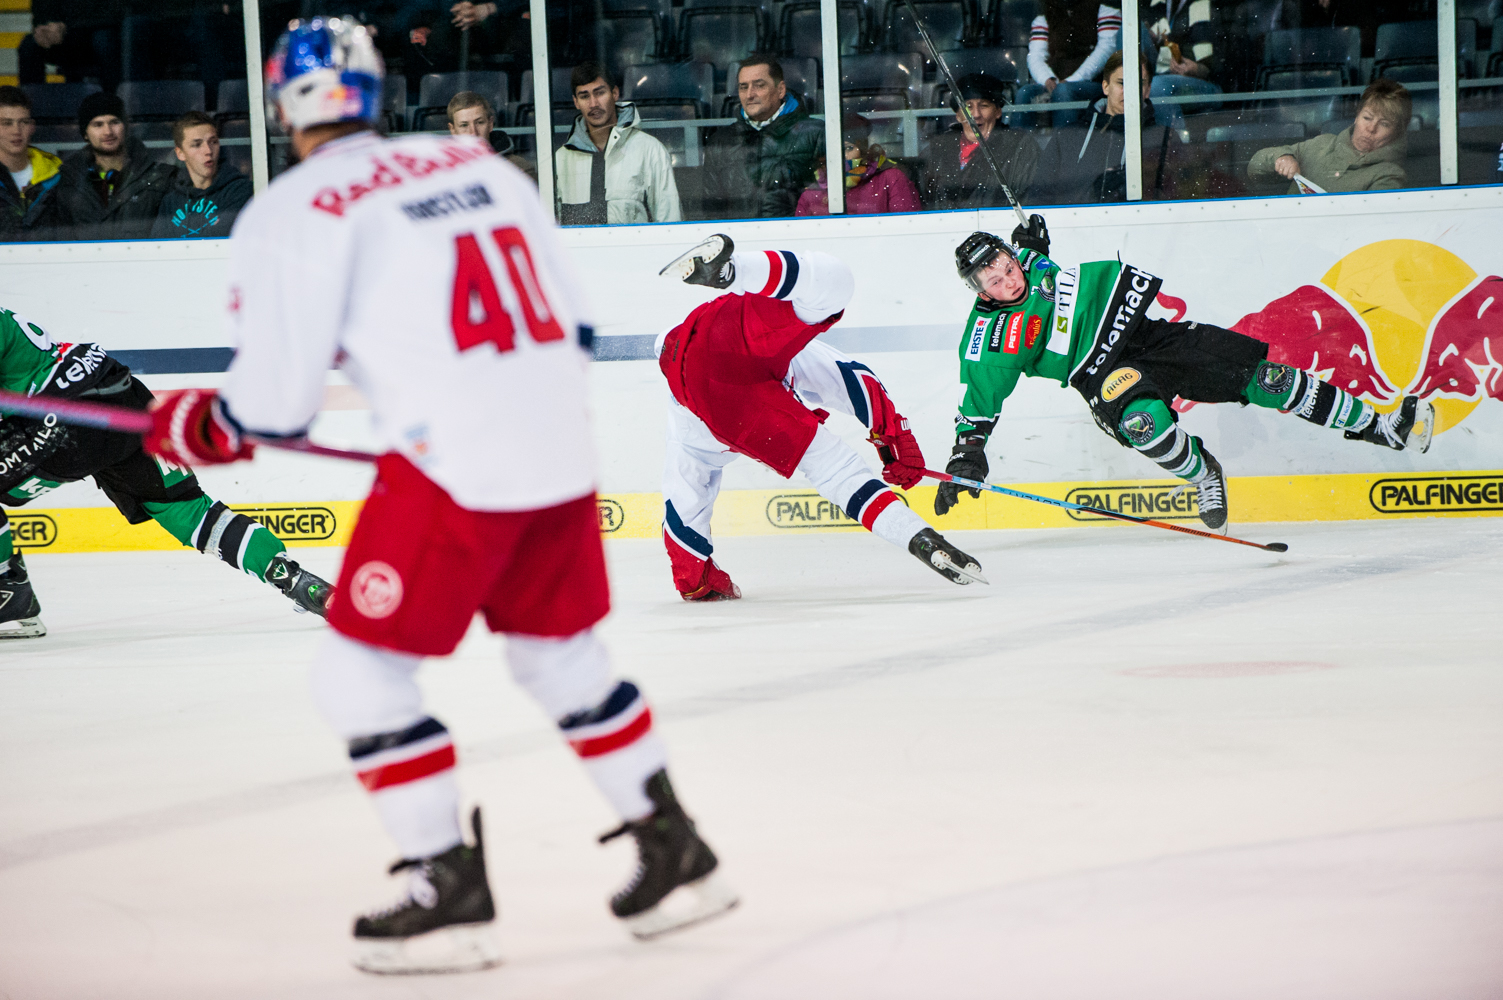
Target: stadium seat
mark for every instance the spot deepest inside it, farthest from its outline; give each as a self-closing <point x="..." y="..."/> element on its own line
<point x="800" y="34"/>
<point x="950" y="23"/>
<point x="1174" y="85"/>
<point x="435" y="90"/>
<point x="1409" y="47"/>
<point x="1495" y="56"/>
<point x="631" y="38"/>
<point x="1315" y="48"/>
<point x="1268" y="133"/>
<point x="720" y="34"/>
<point x="1010" y="22"/>
<point x="883" y="73"/>
<point x="233" y="99"/>
<point x="147" y="100"/>
<point x="671" y="89"/>
<point x="561" y="97"/>
<point x="57" y="101"/>
<point x="393" y="101"/>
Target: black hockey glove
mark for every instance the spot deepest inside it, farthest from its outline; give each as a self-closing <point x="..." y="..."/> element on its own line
<point x="968" y="461"/>
<point x="1035" y="237"/>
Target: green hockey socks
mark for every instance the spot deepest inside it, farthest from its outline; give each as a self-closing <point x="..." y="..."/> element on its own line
<point x="1280" y="387"/>
<point x="7" y="547"/>
<point x="210" y="527"/>
<point x="1151" y="428"/>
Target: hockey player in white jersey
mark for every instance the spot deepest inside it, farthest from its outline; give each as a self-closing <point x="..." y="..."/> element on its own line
<point x="745" y="370"/>
<point x="425" y="267"/>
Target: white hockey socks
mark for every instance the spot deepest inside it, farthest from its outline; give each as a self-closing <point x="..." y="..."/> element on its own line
<point x="817" y="285"/>
<point x="403" y="757"/>
<point x="606" y="721"/>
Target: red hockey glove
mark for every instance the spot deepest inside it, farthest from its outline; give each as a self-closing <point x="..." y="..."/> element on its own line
<point x="902" y="461"/>
<point x="188" y="427"/>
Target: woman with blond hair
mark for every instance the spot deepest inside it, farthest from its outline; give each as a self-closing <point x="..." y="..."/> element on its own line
<point x="1368" y="155"/>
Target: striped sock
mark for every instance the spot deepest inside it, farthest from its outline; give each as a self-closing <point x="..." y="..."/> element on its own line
<point x="1152" y="430"/>
<point x="1291" y="390"/>
<point x="239" y="541"/>
<point x="410" y="775"/>
<point x="618" y="747"/>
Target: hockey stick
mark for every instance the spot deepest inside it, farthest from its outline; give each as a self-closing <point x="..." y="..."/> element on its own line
<point x="944" y="68"/>
<point x="126" y="421"/>
<point x="976" y="485"/>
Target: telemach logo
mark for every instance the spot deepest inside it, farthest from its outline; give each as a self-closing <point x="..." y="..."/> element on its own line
<point x="294" y="524"/>
<point x="1160" y="502"/>
<point x="806" y="510"/>
<point x="32" y="531"/>
<point x="612" y="515"/>
<point x="1437" y="494"/>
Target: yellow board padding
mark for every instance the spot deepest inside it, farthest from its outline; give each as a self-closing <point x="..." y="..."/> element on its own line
<point x="792" y="511"/>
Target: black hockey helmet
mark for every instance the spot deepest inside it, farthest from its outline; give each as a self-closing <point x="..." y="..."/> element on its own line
<point x="976" y="254"/>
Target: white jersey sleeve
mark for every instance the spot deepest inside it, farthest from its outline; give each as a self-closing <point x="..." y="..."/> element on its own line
<point x="425" y="268"/>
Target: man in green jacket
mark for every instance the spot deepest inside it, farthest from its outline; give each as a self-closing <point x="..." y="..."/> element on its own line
<point x="757" y="167"/>
<point x="1366" y="156"/>
<point x="1087" y="327"/>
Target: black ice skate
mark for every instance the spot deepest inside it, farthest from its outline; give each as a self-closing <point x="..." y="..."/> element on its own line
<point x="1210" y="493"/>
<point x="707" y="264"/>
<point x="670" y="856"/>
<point x="445" y="922"/>
<point x="308" y="592"/>
<point x="19" y="607"/>
<point x="1409" y="428"/>
<point x="945" y="559"/>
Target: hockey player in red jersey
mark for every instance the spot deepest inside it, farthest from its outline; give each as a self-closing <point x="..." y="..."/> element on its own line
<point x="741" y="368"/>
<point x="426" y="268"/>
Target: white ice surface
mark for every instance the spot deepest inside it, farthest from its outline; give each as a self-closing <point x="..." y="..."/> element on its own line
<point x="1138" y="765"/>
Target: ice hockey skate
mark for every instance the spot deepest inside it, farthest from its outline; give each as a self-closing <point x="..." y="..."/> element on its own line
<point x="945" y="559"/>
<point x="1210" y="493"/>
<point x="19" y="607"/>
<point x="307" y="591"/>
<point x="1409" y="428"/>
<point x="708" y="264"/>
<point x="676" y="883"/>
<point x="444" y="924"/>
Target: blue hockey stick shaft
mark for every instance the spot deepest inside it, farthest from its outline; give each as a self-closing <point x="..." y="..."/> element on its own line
<point x="1067" y="505"/>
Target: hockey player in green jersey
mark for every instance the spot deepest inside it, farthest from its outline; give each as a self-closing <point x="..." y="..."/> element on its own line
<point x="38" y="455"/>
<point x="1087" y="327"/>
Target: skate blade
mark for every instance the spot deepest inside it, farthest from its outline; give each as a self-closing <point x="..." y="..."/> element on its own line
<point x="25" y="628"/>
<point x="689" y="904"/>
<point x="1422" y="430"/>
<point x="463" y="948"/>
<point x="683" y="266"/>
<point x="969" y="573"/>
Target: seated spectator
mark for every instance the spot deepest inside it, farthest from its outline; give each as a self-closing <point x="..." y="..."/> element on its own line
<point x="1368" y="155"/>
<point x="956" y="172"/>
<point x="472" y="114"/>
<point x="873" y="183"/>
<point x="1071" y="41"/>
<point x="29" y="206"/>
<point x="1087" y="163"/>
<point x="206" y="193"/>
<point x="610" y="171"/>
<point x="758" y="166"/>
<point x="111" y="189"/>
<point x="80" y="37"/>
<point x="1184" y="26"/>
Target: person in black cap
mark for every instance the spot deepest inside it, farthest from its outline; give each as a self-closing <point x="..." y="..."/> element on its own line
<point x="956" y="172"/>
<point x="111" y="188"/>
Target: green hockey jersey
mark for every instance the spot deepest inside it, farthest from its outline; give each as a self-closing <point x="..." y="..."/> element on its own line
<point x="27" y="354"/>
<point x="1048" y="335"/>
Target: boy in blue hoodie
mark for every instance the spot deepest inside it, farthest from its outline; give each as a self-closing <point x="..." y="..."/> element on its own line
<point x="206" y="193"/>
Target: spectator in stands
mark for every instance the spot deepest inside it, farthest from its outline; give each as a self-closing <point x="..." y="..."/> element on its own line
<point x="29" y="206"/>
<point x="111" y="189"/>
<point x="206" y="193"/>
<point x="1071" y="40"/>
<point x="956" y="172"/>
<point x="471" y="114"/>
<point x="1185" y="27"/>
<point x="1368" y="155"/>
<point x="758" y="166"/>
<point x="1087" y="163"/>
<point x="436" y="39"/>
<point x="610" y="171"/>
<point x="873" y="183"/>
<point x="80" y="37"/>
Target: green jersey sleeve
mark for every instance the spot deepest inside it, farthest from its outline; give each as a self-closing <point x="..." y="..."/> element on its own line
<point x="27" y="353"/>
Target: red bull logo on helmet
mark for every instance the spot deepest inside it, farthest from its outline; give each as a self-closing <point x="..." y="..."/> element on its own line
<point x="1395" y="318"/>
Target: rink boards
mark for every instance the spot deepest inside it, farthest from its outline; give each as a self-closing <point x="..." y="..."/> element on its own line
<point x="1369" y="496"/>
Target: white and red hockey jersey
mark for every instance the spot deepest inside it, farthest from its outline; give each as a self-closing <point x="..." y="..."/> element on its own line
<point x="426" y="268"/>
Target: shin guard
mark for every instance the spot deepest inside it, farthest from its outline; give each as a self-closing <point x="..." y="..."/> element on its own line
<point x="1151" y="428"/>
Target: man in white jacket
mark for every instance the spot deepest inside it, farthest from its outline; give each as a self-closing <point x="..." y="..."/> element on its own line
<point x="611" y="172"/>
